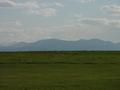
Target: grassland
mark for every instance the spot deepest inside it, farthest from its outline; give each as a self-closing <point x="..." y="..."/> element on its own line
<point x="60" y="71"/>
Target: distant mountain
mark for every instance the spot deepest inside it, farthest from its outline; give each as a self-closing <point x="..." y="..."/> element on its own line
<point x="62" y="45"/>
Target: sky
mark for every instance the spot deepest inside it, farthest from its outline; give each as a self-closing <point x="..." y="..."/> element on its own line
<point x="34" y="20"/>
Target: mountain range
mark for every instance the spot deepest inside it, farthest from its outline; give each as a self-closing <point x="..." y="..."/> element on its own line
<point x="62" y="45"/>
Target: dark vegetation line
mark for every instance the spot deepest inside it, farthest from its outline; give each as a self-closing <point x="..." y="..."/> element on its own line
<point x="94" y="51"/>
<point x="52" y="63"/>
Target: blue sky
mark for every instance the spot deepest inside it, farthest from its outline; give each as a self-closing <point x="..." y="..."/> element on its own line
<point x="33" y="20"/>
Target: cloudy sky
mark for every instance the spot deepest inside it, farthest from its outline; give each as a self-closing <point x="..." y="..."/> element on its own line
<point x="33" y="20"/>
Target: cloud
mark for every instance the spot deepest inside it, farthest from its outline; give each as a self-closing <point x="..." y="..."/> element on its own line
<point x="95" y="21"/>
<point x="51" y="4"/>
<point x="83" y="1"/>
<point x="11" y="31"/>
<point x="107" y="24"/>
<point x="45" y="12"/>
<point x="115" y="23"/>
<point x="9" y="24"/>
<point x="76" y="32"/>
<point x="86" y="1"/>
<point x="33" y="7"/>
<point x="7" y="3"/>
<point x="89" y="28"/>
<point x="86" y="28"/>
<point x="58" y="4"/>
<point x="29" y="5"/>
<point x="112" y="9"/>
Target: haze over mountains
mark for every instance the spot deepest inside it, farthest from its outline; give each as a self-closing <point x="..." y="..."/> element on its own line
<point x="62" y="45"/>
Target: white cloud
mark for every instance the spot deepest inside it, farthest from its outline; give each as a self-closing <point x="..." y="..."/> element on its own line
<point x="87" y="28"/>
<point x="58" y="4"/>
<point x="76" y="32"/>
<point x="112" y="9"/>
<point x="95" y="21"/>
<point x="7" y="3"/>
<point x="45" y="12"/>
<point x="105" y="23"/>
<point x="11" y="31"/>
<point x="86" y="1"/>
<point x="115" y="23"/>
<point x="29" y="5"/>
<point x="10" y="24"/>
<point x="33" y="7"/>
<point x="83" y="1"/>
<point x="51" y="4"/>
<point x="46" y="9"/>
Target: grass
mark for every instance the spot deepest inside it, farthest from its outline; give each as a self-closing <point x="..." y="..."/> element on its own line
<point x="60" y="71"/>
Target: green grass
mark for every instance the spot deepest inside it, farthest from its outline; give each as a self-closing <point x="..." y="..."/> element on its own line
<point x="60" y="71"/>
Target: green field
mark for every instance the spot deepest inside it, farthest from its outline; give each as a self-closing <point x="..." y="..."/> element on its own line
<point x="60" y="71"/>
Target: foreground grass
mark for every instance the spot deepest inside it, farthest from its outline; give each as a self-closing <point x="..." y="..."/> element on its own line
<point x="60" y="71"/>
